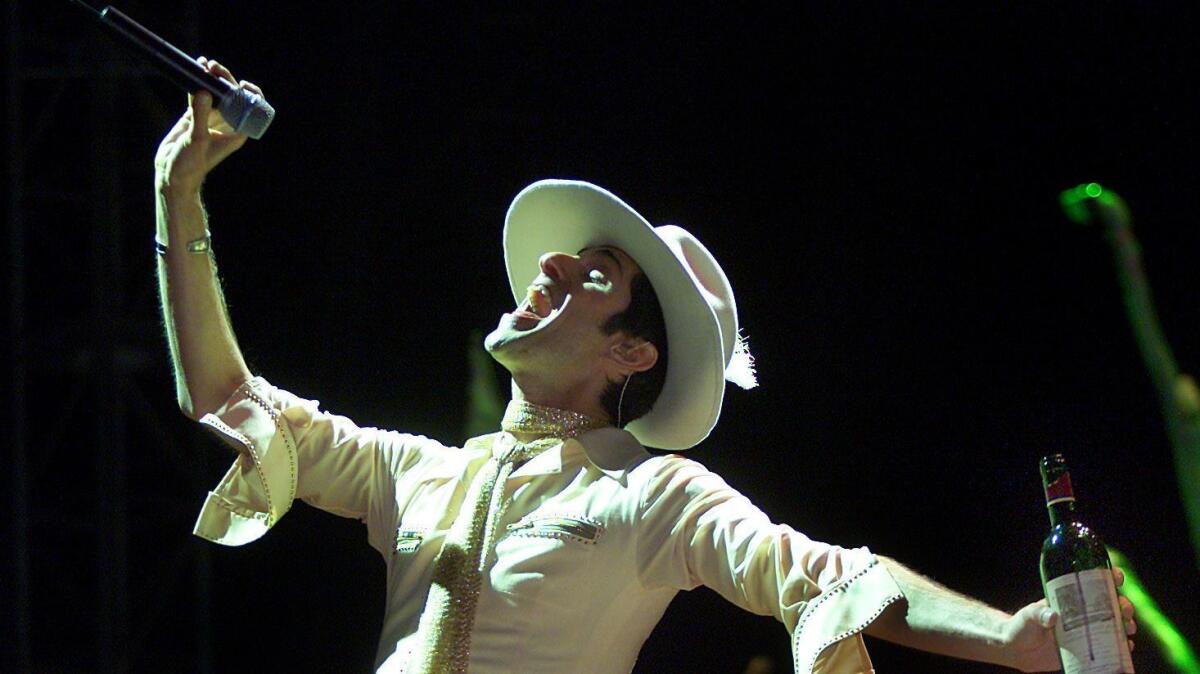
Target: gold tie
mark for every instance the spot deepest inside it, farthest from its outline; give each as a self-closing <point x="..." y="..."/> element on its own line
<point x="444" y="633"/>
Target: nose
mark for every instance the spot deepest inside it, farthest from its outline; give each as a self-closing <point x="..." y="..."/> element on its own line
<point x="558" y="266"/>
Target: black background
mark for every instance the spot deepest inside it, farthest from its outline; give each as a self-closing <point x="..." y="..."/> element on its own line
<point x="880" y="185"/>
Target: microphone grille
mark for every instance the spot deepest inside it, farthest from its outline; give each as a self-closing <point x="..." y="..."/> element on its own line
<point x="247" y="112"/>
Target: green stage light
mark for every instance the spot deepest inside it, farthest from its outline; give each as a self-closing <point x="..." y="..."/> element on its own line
<point x="1073" y="205"/>
<point x="1085" y="203"/>
<point x="1178" y="653"/>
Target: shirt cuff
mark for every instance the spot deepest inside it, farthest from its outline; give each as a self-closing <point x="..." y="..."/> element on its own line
<point x="261" y="484"/>
<point x="840" y="614"/>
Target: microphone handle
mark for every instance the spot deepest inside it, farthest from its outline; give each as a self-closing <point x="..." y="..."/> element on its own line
<point x="169" y="59"/>
<point x="245" y="111"/>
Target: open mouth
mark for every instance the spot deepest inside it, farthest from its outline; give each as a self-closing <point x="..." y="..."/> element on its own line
<point x="538" y="309"/>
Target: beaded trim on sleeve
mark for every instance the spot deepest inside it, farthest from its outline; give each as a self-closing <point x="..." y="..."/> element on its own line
<point x="816" y="603"/>
<point x="248" y="393"/>
<point x="287" y="439"/>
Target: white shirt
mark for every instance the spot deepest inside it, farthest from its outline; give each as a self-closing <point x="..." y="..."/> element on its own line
<point x="597" y="539"/>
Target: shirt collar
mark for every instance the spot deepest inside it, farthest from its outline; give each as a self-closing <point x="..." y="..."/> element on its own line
<point x="612" y="451"/>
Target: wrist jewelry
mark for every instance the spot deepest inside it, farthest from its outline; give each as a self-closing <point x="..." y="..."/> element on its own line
<point x="201" y="245"/>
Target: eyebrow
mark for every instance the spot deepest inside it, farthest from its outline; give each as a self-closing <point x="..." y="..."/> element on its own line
<point x="608" y="252"/>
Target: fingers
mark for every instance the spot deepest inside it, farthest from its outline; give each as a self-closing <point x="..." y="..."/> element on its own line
<point x="224" y="73"/>
<point x="1127" y="615"/>
<point x="219" y="70"/>
<point x="1126" y="605"/>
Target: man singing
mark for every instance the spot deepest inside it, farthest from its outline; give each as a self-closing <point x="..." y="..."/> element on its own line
<point x="555" y="544"/>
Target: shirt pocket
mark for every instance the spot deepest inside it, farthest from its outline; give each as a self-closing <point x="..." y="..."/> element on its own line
<point x="543" y="558"/>
<point x="415" y="543"/>
<point x="418" y="525"/>
<point x="409" y="539"/>
<point x="584" y="530"/>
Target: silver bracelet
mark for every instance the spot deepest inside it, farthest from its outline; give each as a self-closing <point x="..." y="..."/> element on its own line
<point x="201" y="245"/>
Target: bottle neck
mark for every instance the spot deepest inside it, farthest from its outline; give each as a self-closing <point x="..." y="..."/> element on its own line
<point x="1060" y="497"/>
<point x="1061" y="511"/>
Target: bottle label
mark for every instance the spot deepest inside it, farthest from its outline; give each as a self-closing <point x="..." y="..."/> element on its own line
<point x="1090" y="631"/>
<point x="1060" y="490"/>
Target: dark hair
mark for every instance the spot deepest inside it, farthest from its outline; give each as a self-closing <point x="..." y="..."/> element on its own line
<point x="642" y="318"/>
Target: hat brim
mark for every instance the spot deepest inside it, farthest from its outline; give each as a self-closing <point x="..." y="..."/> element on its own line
<point x="568" y="216"/>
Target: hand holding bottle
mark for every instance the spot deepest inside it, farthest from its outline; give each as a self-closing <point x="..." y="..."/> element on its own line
<point x="1091" y="628"/>
<point x="1029" y="634"/>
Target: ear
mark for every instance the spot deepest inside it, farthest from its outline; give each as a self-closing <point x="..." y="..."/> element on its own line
<point x="633" y="354"/>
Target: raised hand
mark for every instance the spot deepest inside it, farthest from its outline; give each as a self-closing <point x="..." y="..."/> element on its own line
<point x="190" y="150"/>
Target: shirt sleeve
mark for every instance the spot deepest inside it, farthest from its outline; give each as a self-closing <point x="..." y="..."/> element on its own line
<point x="289" y="448"/>
<point x="697" y="530"/>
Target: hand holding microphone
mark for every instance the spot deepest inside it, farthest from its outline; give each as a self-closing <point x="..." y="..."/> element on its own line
<point x="201" y="139"/>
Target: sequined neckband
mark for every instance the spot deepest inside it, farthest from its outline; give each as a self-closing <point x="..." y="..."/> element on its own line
<point x="527" y="417"/>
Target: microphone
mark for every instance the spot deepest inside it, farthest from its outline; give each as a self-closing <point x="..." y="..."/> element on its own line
<point x="246" y="111"/>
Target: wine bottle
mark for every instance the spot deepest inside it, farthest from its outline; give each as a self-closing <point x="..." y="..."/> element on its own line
<point x="1077" y="578"/>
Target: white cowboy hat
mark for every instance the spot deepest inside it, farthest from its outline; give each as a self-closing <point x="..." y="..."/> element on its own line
<point x="704" y="348"/>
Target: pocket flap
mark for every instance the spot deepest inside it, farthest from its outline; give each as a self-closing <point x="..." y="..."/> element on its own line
<point x="582" y="529"/>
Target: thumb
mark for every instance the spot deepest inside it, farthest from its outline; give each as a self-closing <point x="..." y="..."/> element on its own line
<point x="1038" y="613"/>
<point x="201" y="103"/>
<point x="1047" y="616"/>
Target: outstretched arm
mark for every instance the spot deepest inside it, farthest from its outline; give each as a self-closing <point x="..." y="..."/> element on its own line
<point x="936" y="619"/>
<point x="208" y="363"/>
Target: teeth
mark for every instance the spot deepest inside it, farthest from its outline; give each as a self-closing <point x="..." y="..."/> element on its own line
<point x="531" y="298"/>
<point x="538" y="300"/>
